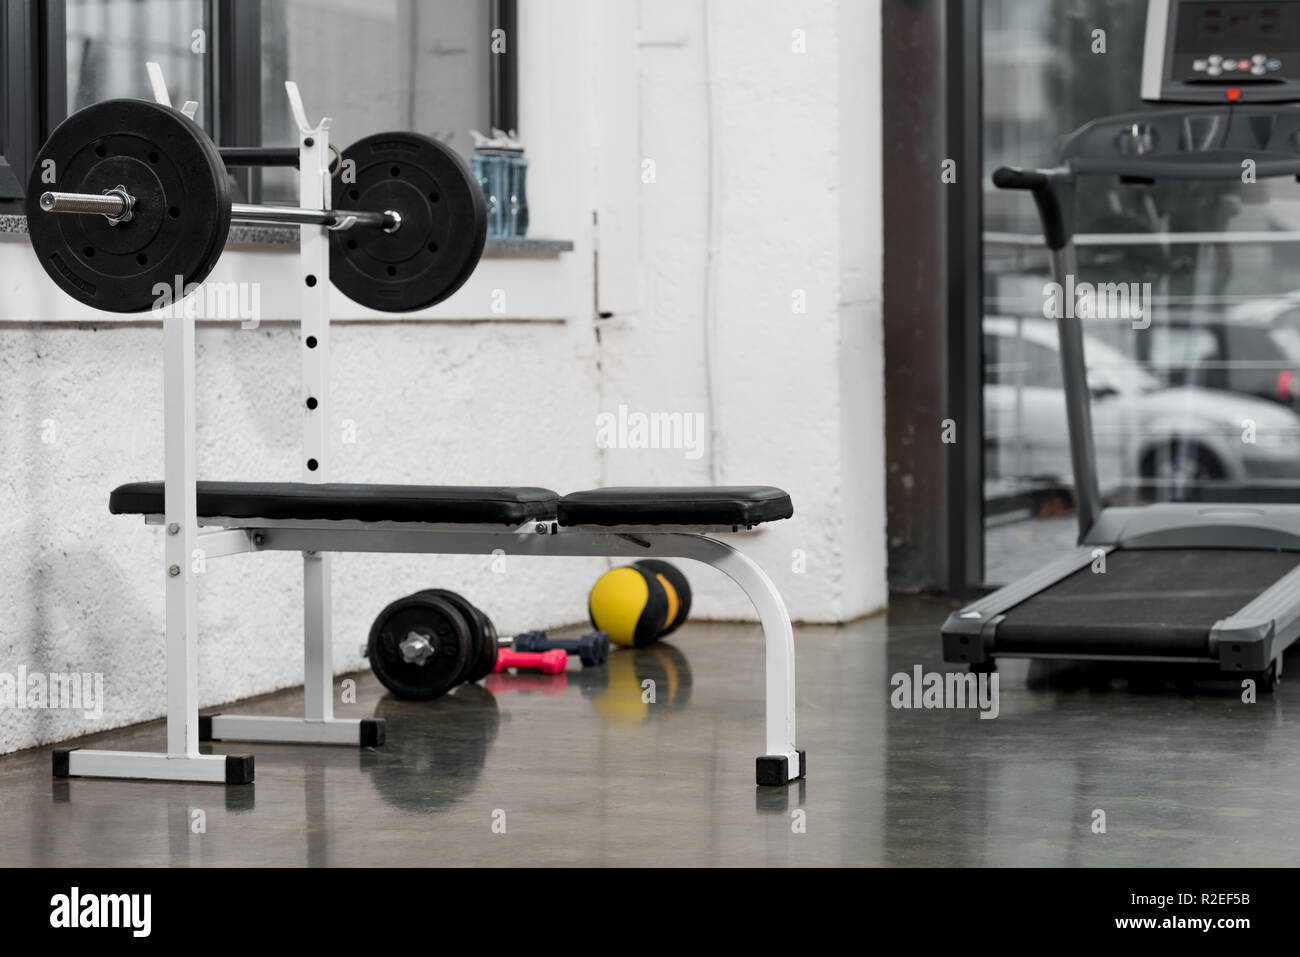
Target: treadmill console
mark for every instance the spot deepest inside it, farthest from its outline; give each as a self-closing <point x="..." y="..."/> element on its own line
<point x="1222" y="51"/>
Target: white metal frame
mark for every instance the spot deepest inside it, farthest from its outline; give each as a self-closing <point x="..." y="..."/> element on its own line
<point x="220" y="537"/>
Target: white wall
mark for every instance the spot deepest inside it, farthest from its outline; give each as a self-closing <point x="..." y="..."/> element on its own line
<point x="767" y="183"/>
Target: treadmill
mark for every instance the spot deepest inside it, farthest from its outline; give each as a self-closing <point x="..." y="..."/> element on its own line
<point x="1183" y="583"/>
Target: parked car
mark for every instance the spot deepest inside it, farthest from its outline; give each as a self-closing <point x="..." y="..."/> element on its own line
<point x="1143" y="430"/>
<point x="1252" y="348"/>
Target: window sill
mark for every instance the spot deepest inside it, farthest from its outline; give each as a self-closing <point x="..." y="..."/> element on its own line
<point x="517" y="279"/>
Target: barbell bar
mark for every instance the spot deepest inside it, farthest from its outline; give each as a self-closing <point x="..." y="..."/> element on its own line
<point x="118" y="206"/>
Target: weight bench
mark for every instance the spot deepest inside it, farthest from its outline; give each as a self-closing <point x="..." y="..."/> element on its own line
<point x="208" y="520"/>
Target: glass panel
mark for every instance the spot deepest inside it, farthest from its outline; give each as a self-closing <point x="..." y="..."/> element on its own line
<point x="1042" y="366"/>
<point x="109" y="42"/>
<point x="1193" y="399"/>
<point x="375" y="65"/>
<point x="1178" y="349"/>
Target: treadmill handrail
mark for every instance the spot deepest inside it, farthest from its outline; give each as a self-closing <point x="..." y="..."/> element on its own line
<point x="1051" y="207"/>
<point x="1207" y="167"/>
<point x="1053" y="191"/>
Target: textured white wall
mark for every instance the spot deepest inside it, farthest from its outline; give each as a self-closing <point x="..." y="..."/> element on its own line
<point x="767" y="183"/>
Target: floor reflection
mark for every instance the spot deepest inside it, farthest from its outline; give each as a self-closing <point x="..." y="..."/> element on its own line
<point x="649" y="760"/>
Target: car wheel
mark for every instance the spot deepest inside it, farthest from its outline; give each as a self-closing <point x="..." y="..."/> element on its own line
<point x="1169" y="472"/>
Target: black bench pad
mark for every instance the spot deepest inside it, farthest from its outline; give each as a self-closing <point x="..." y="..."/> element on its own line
<point x="734" y="505"/>
<point x="456" y="504"/>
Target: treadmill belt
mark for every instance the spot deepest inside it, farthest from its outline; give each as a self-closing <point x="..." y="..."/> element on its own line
<point x="1152" y="601"/>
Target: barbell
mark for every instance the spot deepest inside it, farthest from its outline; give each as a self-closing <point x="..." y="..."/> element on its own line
<point x="118" y="206"/>
<point x="145" y="203"/>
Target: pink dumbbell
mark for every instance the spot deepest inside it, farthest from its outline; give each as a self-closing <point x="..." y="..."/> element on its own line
<point x="547" y="662"/>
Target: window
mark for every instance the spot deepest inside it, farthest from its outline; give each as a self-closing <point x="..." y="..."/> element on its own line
<point x="415" y="66"/>
<point x="1043" y="77"/>
<point x="1286" y="334"/>
<point x="423" y="65"/>
<point x="1289" y="319"/>
<point x="1013" y="361"/>
<point x="1182" y="347"/>
<point x="1042" y="366"/>
<point x="108" y="42"/>
<point x="995" y="370"/>
<point x="30" y="101"/>
<point x="1016" y="361"/>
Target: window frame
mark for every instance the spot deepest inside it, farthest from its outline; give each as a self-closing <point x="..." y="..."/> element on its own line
<point x="964" y="91"/>
<point x="33" y="61"/>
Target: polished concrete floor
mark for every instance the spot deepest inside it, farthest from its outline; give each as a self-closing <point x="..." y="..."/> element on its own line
<point x="579" y="771"/>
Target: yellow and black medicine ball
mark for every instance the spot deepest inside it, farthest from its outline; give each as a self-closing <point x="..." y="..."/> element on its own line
<point x="639" y="603"/>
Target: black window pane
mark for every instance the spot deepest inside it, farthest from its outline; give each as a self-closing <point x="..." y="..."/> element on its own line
<point x="109" y="42"/>
<point x="374" y="65"/>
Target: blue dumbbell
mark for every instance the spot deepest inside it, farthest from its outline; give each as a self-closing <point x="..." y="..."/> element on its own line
<point x="592" y="648"/>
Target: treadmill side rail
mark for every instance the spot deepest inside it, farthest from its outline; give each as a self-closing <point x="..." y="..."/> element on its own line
<point x="1259" y="633"/>
<point x="980" y="618"/>
<point x="1242" y="644"/>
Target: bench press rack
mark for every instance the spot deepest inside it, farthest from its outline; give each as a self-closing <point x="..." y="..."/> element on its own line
<point x="317" y="519"/>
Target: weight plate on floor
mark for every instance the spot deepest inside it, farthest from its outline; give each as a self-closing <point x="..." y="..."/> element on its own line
<point x="180" y="218"/>
<point x="443" y="229"/>
<point x="441" y="625"/>
<point x="487" y="659"/>
<point x="483" y="653"/>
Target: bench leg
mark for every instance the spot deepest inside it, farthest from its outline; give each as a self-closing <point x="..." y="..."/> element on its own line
<point x="182" y="761"/>
<point x="783" y="762"/>
<point x="208" y="768"/>
<point x="255" y="727"/>
<point x="318" y="724"/>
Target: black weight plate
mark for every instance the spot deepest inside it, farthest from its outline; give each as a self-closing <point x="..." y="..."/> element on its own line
<point x="475" y="619"/>
<point x="444" y="223"/>
<point x="181" y="214"/>
<point x="483" y="654"/>
<point x="487" y="660"/>
<point x="439" y="621"/>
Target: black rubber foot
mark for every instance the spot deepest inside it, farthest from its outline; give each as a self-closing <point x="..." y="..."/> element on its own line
<point x="775" y="771"/>
<point x="372" y="732"/>
<point x="1266" y="680"/>
<point x="61" y="760"/>
<point x="205" y="727"/>
<point x="239" y="769"/>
